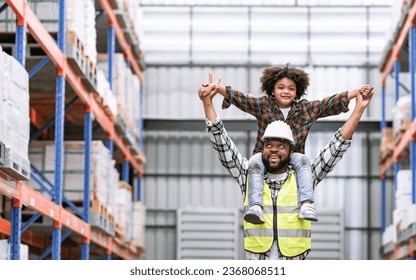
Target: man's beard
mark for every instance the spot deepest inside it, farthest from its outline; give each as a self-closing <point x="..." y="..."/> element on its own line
<point x="282" y="164"/>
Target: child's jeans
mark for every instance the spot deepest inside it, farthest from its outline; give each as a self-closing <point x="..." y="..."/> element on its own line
<point x="256" y="170"/>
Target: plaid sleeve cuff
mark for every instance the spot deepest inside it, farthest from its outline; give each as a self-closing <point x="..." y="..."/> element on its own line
<point x="340" y="141"/>
<point x="227" y="100"/>
<point x="214" y="126"/>
<point x="339" y="137"/>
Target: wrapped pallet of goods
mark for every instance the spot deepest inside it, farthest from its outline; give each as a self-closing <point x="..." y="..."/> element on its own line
<point x="401" y="122"/>
<point x="138" y="224"/>
<point x="15" y="122"/>
<point x="387" y="145"/>
<point x="126" y="89"/>
<point x="2" y="111"/>
<point x="5" y="250"/>
<point x="81" y="36"/>
<point x="42" y="155"/>
<point x="123" y="212"/>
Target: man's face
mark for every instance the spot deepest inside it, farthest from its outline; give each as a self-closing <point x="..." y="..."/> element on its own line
<point x="276" y="155"/>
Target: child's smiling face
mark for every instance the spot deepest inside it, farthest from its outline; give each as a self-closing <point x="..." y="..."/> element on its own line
<point x="285" y="92"/>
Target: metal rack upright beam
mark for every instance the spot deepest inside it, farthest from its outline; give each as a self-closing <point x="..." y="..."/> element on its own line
<point x="412" y="57"/>
<point x="59" y="132"/>
<point x="110" y="54"/>
<point x="87" y="178"/>
<point x="138" y="193"/>
<point x="16" y="210"/>
<point x="383" y="180"/>
<point x="396" y="67"/>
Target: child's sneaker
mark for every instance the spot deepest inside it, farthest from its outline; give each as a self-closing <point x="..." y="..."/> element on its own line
<point x="254" y="215"/>
<point x="308" y="212"/>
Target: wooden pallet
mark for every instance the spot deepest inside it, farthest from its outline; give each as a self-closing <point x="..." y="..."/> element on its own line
<point x="120" y="234"/>
<point x="387" y="145"/>
<point x="101" y="217"/>
<point x="90" y="77"/>
<point x="15" y="165"/>
<point x="100" y="101"/>
<point x="75" y="53"/>
<point x="77" y="56"/>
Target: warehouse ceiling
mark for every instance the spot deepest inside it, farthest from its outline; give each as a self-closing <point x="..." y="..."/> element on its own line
<point x="268" y="2"/>
<point x="265" y="32"/>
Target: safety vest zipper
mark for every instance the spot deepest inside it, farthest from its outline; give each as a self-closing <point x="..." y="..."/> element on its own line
<point x="274" y="220"/>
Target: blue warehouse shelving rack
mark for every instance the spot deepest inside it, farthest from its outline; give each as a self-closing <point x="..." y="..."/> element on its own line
<point x="69" y="84"/>
<point x="400" y="57"/>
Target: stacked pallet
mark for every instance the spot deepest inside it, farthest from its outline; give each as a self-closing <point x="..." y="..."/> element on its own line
<point x="403" y="197"/>
<point x="80" y="20"/>
<point x="105" y="96"/>
<point x="5" y="250"/>
<point x="81" y="36"/>
<point x="133" y="19"/>
<point x="401" y="117"/>
<point x="103" y="174"/>
<point x="138" y="224"/>
<point x="123" y="212"/>
<point x="392" y="136"/>
<point x="403" y="227"/>
<point x="387" y="145"/>
<point x="14" y="118"/>
<point x="126" y="89"/>
<point x="129" y="16"/>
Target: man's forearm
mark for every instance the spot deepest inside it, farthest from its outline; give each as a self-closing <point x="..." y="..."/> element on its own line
<point x="329" y="156"/>
<point x="228" y="154"/>
<point x="209" y="109"/>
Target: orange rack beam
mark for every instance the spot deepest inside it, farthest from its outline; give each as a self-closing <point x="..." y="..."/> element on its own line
<point x="401" y="39"/>
<point x="34" y="200"/>
<point x="4" y="226"/>
<point x="28" y="237"/>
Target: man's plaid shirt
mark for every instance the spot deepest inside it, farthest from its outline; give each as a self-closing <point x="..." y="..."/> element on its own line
<point x="301" y="116"/>
<point x="237" y="165"/>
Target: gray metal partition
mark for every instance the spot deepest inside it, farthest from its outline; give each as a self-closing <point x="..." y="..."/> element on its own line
<point x="207" y="233"/>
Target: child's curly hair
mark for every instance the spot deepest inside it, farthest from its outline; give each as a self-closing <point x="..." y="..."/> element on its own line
<point x="274" y="73"/>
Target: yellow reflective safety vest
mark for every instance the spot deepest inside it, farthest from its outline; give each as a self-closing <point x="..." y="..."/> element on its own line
<point x="293" y="234"/>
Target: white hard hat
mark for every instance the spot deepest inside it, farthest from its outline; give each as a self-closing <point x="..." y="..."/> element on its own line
<point x="279" y="129"/>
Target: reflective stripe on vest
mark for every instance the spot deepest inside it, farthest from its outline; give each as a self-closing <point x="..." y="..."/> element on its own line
<point x="259" y="238"/>
<point x="294" y="234"/>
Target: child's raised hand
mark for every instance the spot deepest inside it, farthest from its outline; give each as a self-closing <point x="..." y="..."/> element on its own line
<point x="209" y="87"/>
<point x="366" y="91"/>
